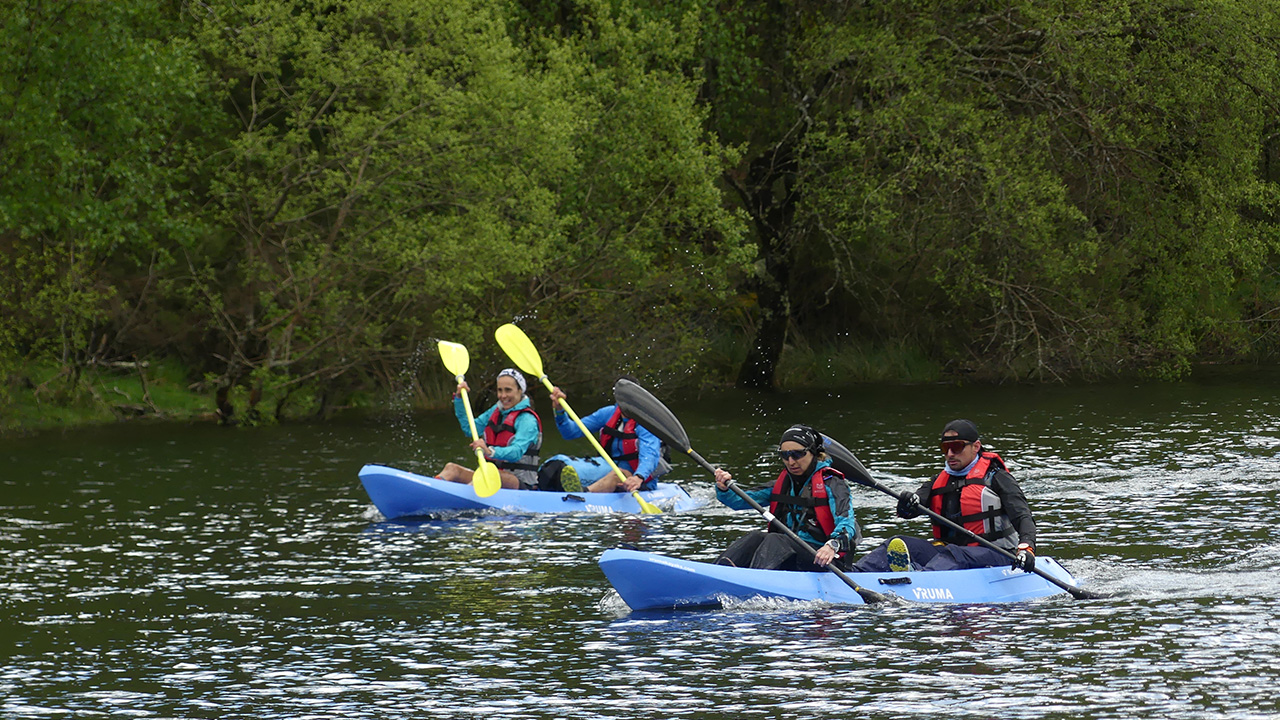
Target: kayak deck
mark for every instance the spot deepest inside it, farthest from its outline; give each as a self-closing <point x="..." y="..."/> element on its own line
<point x="397" y="493"/>
<point x="647" y="581"/>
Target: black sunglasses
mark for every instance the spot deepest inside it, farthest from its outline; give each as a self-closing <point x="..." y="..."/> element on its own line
<point x="792" y="454"/>
<point x="955" y="446"/>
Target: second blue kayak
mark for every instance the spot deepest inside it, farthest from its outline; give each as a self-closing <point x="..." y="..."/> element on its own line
<point x="397" y="493"/>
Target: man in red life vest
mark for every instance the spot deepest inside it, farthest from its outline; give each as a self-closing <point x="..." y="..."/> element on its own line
<point x="974" y="490"/>
<point x="638" y="453"/>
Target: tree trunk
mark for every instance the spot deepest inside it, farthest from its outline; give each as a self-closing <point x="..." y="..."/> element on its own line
<point x="770" y="199"/>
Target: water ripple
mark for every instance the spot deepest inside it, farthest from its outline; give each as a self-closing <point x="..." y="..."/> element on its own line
<point x="178" y="573"/>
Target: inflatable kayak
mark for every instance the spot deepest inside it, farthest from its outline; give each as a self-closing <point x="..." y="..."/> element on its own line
<point x="397" y="493"/>
<point x="647" y="581"/>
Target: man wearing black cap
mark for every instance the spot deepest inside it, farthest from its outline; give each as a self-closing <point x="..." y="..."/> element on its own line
<point x="974" y="490"/>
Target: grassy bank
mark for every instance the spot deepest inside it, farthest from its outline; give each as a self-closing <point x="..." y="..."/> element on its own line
<point x="838" y="364"/>
<point x="835" y="363"/>
<point x="46" y="396"/>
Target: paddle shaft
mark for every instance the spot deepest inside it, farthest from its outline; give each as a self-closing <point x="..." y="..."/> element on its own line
<point x="868" y="596"/>
<point x="586" y="433"/>
<point x="1078" y="593"/>
<point x="471" y="423"/>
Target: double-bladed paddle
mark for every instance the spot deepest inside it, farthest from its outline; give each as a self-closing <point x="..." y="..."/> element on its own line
<point x="485" y="479"/>
<point x="846" y="463"/>
<point x="520" y="349"/>
<point x="650" y="412"/>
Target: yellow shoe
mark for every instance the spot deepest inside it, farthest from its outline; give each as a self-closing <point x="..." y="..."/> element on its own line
<point x="569" y="479"/>
<point x="899" y="556"/>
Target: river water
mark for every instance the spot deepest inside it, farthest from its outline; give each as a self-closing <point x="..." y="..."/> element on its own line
<point x="174" y="571"/>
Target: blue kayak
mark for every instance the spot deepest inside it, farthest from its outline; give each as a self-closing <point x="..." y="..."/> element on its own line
<point x="397" y="493"/>
<point x="647" y="581"/>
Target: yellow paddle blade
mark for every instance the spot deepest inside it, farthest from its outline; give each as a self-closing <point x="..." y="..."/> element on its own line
<point x="646" y="507"/>
<point x="485" y="479"/>
<point x="519" y="348"/>
<point x="455" y="357"/>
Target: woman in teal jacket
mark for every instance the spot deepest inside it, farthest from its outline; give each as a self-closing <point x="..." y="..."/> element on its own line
<point x="510" y="434"/>
<point x="808" y="496"/>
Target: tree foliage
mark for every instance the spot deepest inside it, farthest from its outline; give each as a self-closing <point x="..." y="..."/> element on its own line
<point x="1022" y="188"/>
<point x="404" y="170"/>
<point x="98" y="110"/>
<point x="294" y="197"/>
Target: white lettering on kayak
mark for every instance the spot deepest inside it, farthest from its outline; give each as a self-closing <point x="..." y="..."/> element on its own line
<point x="923" y="593"/>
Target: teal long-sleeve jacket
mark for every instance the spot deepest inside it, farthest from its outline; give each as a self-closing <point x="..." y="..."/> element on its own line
<point x="527" y="430"/>
<point x="799" y="518"/>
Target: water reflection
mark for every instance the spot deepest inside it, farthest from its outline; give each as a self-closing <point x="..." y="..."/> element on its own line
<point x="184" y="572"/>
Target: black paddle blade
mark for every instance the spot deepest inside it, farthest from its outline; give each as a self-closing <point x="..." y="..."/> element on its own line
<point x="846" y="463"/>
<point x="647" y="410"/>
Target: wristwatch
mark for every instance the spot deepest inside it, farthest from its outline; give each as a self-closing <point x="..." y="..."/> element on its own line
<point x="834" y="544"/>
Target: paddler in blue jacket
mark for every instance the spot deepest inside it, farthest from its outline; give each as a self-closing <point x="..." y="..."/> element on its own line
<point x="638" y="453"/>
<point x="809" y="496"/>
<point x="510" y="434"/>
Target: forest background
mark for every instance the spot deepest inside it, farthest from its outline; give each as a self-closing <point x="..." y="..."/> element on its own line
<point x="268" y="209"/>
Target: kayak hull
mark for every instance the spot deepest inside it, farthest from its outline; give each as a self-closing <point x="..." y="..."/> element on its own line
<point x="647" y="581"/>
<point x="397" y="493"/>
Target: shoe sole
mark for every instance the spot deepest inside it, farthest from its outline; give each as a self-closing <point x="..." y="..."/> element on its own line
<point x="569" y="480"/>
<point x="899" y="556"/>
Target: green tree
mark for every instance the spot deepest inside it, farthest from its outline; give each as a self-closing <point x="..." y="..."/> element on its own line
<point x="98" y="107"/>
<point x="1022" y="189"/>
<point x="651" y="254"/>
<point x="408" y="170"/>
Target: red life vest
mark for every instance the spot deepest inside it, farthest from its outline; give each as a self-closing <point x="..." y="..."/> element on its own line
<point x="817" y="519"/>
<point x="498" y="433"/>
<point x="623" y="431"/>
<point x="970" y="501"/>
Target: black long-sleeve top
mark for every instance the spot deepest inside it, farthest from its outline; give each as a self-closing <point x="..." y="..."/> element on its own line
<point x="1012" y="501"/>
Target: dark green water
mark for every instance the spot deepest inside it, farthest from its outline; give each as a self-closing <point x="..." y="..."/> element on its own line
<point x="198" y="572"/>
